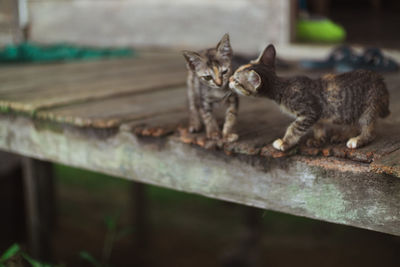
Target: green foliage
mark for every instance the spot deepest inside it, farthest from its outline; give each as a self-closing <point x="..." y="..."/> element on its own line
<point x="113" y="234"/>
<point x="34" y="262"/>
<point x="9" y="253"/>
<point x="15" y="250"/>
<point x="88" y="257"/>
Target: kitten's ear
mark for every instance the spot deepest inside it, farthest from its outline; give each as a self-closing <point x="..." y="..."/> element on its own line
<point x="267" y="57"/>
<point x="193" y="59"/>
<point x="224" y="49"/>
<point x="254" y="79"/>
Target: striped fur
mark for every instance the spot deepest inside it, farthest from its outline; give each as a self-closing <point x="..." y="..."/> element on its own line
<point x="356" y="98"/>
<point x="208" y="74"/>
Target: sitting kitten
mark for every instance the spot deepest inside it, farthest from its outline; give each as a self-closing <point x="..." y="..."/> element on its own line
<point x="208" y="74"/>
<point x="358" y="97"/>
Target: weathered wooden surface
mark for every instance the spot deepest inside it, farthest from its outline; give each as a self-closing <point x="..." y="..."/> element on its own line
<point x="328" y="189"/>
<point x="389" y="164"/>
<point x="28" y="92"/>
<point x="138" y="131"/>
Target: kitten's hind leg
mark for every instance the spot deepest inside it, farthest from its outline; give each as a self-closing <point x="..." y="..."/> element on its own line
<point x="340" y="134"/>
<point x="294" y="132"/>
<point x="319" y="131"/>
<point x="367" y="123"/>
<point x="230" y="119"/>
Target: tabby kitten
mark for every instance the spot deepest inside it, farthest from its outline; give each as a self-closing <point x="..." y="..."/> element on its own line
<point x="355" y="98"/>
<point x="208" y="75"/>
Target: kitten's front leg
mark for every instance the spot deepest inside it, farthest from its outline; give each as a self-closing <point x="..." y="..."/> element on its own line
<point x="294" y="132"/>
<point x="230" y="119"/>
<point x="212" y="129"/>
<point x="193" y="95"/>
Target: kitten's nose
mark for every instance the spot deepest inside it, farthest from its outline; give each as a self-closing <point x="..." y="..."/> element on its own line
<point x="218" y="81"/>
<point x="231" y="79"/>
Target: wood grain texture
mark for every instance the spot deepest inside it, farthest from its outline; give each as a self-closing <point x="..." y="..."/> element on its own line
<point x="33" y="90"/>
<point x="389" y="164"/>
<point x="111" y="112"/>
<point x="115" y="118"/>
<point x="334" y="190"/>
<point x="14" y="74"/>
<point x="140" y="94"/>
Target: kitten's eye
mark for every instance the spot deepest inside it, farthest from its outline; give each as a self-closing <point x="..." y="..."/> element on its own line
<point x="224" y="72"/>
<point x="207" y="77"/>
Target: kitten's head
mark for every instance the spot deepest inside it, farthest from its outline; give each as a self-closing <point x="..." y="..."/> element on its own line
<point x="214" y="66"/>
<point x="250" y="78"/>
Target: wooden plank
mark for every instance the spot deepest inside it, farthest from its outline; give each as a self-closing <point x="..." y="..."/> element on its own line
<point x="339" y="191"/>
<point x="389" y="164"/>
<point x="67" y="93"/>
<point x="111" y="112"/>
<point x="32" y="69"/>
<point x="20" y="81"/>
<point x="158" y="125"/>
<point x="260" y="122"/>
<point x="70" y="82"/>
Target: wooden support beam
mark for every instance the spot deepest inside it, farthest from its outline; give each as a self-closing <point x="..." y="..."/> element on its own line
<point x="247" y="251"/>
<point x="39" y="199"/>
<point x="140" y="215"/>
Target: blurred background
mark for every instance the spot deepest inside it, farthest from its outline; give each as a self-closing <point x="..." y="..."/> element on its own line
<point x="107" y="221"/>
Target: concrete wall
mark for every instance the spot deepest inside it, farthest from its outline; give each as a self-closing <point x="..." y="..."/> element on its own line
<point x="161" y="23"/>
<point x="8" y="22"/>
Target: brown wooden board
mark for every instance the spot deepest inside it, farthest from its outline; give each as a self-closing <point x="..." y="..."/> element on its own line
<point x="112" y="111"/>
<point x="159" y="125"/>
<point x="71" y="92"/>
<point x="17" y="82"/>
<point x="141" y="94"/>
<point x="36" y="87"/>
<point x="389" y="164"/>
<point x="10" y="71"/>
<point x="260" y="123"/>
<point x="331" y="183"/>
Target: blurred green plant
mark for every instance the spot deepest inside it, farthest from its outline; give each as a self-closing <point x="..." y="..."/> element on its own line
<point x="15" y="251"/>
<point x="8" y="254"/>
<point x="113" y="234"/>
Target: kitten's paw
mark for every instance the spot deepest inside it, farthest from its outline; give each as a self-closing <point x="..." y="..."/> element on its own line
<point x="195" y="127"/>
<point x="279" y="144"/>
<point x="353" y="143"/>
<point x="231" y="137"/>
<point x="215" y="135"/>
<point x="313" y="142"/>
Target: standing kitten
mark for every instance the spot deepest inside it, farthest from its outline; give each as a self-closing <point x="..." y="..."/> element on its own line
<point x="208" y="74"/>
<point x="354" y="98"/>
